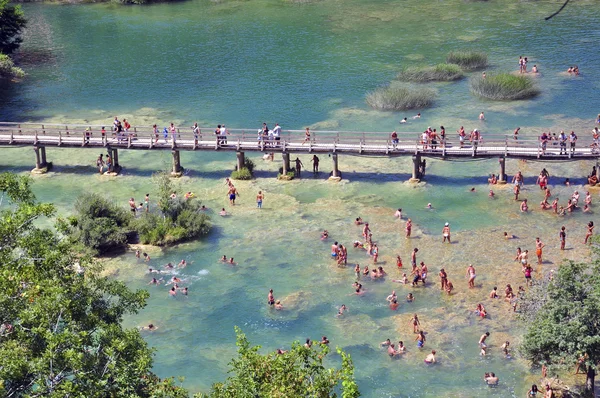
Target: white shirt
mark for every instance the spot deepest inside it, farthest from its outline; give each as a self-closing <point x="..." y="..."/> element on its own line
<point x="277" y="131"/>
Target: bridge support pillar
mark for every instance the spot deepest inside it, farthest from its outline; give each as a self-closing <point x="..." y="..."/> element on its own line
<point x="41" y="165"/>
<point x="241" y="160"/>
<point x="286" y="163"/>
<point x="335" y="173"/>
<point x="418" y="169"/>
<point x="177" y="169"/>
<point x="502" y="175"/>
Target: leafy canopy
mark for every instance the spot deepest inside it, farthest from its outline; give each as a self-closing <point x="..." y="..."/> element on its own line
<point x="564" y="318"/>
<point x="60" y="321"/>
<point x="12" y="23"/>
<point x="297" y="373"/>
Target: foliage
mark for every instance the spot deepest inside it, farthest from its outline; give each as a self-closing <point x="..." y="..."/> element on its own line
<point x="99" y="225"/>
<point x="566" y="325"/>
<point x="504" y="86"/>
<point x="423" y="74"/>
<point x="468" y="60"/>
<point x="293" y="374"/>
<point x="181" y="218"/>
<point x="249" y="164"/>
<point x="395" y="98"/>
<point x="60" y="321"/>
<point x="288" y="176"/>
<point x="242" y="174"/>
<point x="12" y="22"/>
<point x="8" y="68"/>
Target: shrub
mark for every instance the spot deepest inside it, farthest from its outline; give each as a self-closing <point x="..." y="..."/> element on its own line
<point x="468" y="60"/>
<point x="395" y="98"/>
<point x="504" y="86"/>
<point x="99" y="225"/>
<point x="8" y="68"/>
<point x="242" y="174"/>
<point x="156" y="230"/>
<point x="288" y="176"/>
<point x="423" y="74"/>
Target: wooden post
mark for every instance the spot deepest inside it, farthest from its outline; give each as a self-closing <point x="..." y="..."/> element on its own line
<point x="240" y="160"/>
<point x="286" y="163"/>
<point x="177" y="169"/>
<point x="41" y="166"/>
<point x="416" y="175"/>
<point x="335" y="172"/>
<point x="502" y="175"/>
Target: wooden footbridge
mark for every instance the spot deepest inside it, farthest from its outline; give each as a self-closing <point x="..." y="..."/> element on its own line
<point x="41" y="136"/>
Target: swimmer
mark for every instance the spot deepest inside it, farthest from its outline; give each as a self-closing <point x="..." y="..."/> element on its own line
<point x="173" y="291"/>
<point x="471" y="275"/>
<point x="391" y="297"/>
<point x="505" y="349"/>
<point x="563" y="237"/>
<point x="443" y="279"/>
<point x="342" y="309"/>
<point x="203" y="208"/>
<point x="590" y="232"/>
<point x="538" y="249"/>
<point x="182" y="264"/>
<point x="404" y="279"/>
<point x="358" y="221"/>
<point x="358" y="245"/>
<point x="408" y="228"/>
<point x="169" y="266"/>
<point x="394" y="304"/>
<point x="449" y="287"/>
<point x="404" y="120"/>
<point x="231" y="261"/>
<point x="482" y="340"/>
<point x="308" y="343"/>
<point x="446" y="233"/>
<point x="278" y="305"/>
<point x="410" y="298"/>
<point x="150" y="327"/>
<point x="491" y="194"/>
<point x="401" y="348"/>
<point x="223" y="213"/>
<point x="324" y="340"/>
<point x="155" y="281"/>
<point x="224" y="259"/>
<point x="567" y="182"/>
<point x="472" y="189"/>
<point x="586" y="209"/>
<point x="494" y="293"/>
<point x="524" y="206"/>
<point x="324" y="234"/>
<point x="189" y="195"/>
<point x="146" y="257"/>
<point x="417" y="116"/>
<point x="533" y="391"/>
<point x="491" y="379"/>
<point x="398" y="214"/>
<point x="259" y="199"/>
<point x="508" y="236"/>
<point x="493" y="180"/>
<point x="421" y="339"/>
<point x="516" y="191"/>
<point x="270" y="298"/>
<point x="429" y="206"/>
<point x="137" y="254"/>
<point x="416" y="323"/>
<point x="430" y="358"/>
<point x="334" y="250"/>
<point x="386" y="343"/>
<point x="398" y="262"/>
<point x="480" y="310"/>
<point x="588" y="198"/>
<point x="391" y="350"/>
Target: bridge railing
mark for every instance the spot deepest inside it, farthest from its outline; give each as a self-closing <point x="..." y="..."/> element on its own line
<point x="139" y="136"/>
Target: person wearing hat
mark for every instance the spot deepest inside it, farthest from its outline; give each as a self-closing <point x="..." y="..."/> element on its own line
<point x="446" y="233"/>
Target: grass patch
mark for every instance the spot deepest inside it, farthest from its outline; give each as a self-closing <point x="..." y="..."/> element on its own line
<point x="504" y="86"/>
<point x="396" y="98"/>
<point x="437" y="73"/>
<point x="468" y="60"/>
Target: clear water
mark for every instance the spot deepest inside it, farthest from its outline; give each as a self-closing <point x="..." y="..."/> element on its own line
<point x="242" y="63"/>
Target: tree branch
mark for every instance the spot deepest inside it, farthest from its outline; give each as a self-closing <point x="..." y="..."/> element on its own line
<point x="559" y="10"/>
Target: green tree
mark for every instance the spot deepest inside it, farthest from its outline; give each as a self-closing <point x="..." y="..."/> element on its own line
<point x="12" y="23"/>
<point x="60" y="321"/>
<point x="297" y="373"/>
<point x="564" y="319"/>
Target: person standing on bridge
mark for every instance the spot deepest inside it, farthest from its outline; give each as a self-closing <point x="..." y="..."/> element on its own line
<point x="196" y="131"/>
<point x="173" y="131"/>
<point x="562" y="140"/>
<point x="277" y="134"/>
<point x="315" y="162"/>
<point x="299" y="166"/>
<point x="306" y="136"/>
<point x="572" y="141"/>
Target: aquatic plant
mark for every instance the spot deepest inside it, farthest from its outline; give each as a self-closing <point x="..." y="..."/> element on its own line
<point x="423" y="74"/>
<point x="504" y="86"/>
<point x="241" y="174"/>
<point x="468" y="60"/>
<point x="396" y="98"/>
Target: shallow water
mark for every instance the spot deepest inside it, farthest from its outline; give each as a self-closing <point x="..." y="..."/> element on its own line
<point x="242" y="63"/>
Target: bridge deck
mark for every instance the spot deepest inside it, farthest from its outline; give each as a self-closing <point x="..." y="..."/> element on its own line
<point x="293" y="141"/>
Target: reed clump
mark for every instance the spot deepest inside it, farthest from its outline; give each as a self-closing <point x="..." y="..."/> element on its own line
<point x="397" y="98"/>
<point x="437" y="73"/>
<point x="504" y="86"/>
<point x="468" y="60"/>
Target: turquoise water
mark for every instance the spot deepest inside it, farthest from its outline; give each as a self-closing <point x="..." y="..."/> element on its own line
<point x="242" y="63"/>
